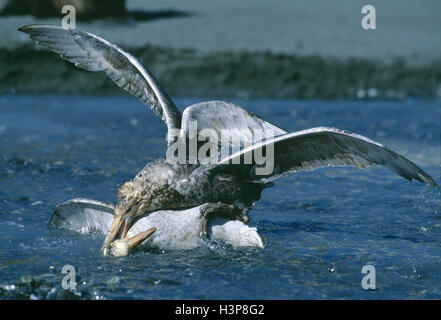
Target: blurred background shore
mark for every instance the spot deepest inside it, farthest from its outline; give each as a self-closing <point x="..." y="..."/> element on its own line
<point x="244" y="49"/>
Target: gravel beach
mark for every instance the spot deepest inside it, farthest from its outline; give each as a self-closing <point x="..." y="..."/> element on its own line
<point x="280" y="49"/>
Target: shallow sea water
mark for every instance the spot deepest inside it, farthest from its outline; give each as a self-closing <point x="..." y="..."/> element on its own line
<point x="322" y="227"/>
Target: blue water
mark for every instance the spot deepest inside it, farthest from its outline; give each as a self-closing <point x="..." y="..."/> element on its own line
<point x="322" y="227"/>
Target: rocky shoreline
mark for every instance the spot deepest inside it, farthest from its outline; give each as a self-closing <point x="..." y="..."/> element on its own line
<point x="246" y="75"/>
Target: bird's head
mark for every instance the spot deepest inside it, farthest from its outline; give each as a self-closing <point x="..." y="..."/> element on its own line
<point x="129" y="201"/>
<point x="139" y="196"/>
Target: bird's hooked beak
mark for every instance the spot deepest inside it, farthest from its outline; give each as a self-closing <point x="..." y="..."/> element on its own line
<point x="122" y="247"/>
<point x="114" y="228"/>
<point x="122" y="210"/>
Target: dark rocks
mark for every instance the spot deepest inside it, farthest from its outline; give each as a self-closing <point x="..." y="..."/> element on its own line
<point x="85" y="9"/>
<point x="247" y="75"/>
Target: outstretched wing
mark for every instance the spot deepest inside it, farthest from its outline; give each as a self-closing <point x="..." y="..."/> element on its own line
<point x="83" y="216"/>
<point x="322" y="147"/>
<point x="90" y="52"/>
<point x="228" y="125"/>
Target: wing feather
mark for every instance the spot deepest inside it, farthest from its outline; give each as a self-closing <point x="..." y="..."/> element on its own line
<point x="90" y="52"/>
<point x="232" y="126"/>
<point x="83" y="216"/>
<point x="320" y="147"/>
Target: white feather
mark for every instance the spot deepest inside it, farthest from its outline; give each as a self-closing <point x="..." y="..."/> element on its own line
<point x="175" y="229"/>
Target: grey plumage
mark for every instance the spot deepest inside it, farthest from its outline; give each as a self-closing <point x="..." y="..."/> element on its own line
<point x="320" y="147"/>
<point x="92" y="53"/>
<point x="162" y="185"/>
